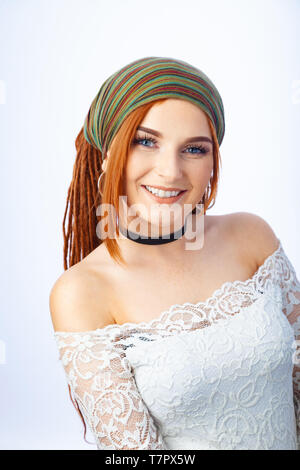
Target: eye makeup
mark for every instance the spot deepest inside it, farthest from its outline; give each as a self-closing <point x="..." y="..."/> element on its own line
<point x="201" y="149"/>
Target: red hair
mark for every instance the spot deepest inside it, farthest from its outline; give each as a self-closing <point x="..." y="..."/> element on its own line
<point x="80" y="219"/>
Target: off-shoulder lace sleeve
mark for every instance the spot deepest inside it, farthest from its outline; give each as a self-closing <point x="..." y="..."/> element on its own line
<point x="290" y="289"/>
<point x="101" y="381"/>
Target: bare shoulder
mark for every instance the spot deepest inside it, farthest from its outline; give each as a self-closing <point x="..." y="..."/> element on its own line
<point x="253" y="234"/>
<point x="79" y="300"/>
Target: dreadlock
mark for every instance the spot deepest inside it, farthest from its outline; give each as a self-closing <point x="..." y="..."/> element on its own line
<point x="80" y="236"/>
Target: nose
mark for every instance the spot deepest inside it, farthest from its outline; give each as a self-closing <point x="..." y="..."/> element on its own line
<point x="168" y="165"/>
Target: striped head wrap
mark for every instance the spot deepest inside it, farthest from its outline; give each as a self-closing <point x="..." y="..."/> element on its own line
<point x="145" y="80"/>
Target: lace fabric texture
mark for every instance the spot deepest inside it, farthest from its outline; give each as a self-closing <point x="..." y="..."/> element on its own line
<point x="219" y="374"/>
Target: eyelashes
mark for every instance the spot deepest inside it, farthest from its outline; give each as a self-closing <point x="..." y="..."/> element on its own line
<point x="201" y="149"/>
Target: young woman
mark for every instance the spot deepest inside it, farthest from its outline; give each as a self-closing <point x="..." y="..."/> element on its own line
<point x="171" y="336"/>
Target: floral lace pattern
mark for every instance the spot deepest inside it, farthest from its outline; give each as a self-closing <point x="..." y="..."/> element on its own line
<point x="139" y="386"/>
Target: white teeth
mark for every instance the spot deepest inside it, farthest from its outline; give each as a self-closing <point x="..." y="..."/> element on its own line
<point x="160" y="193"/>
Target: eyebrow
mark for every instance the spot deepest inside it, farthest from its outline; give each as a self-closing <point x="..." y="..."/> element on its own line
<point x="191" y="139"/>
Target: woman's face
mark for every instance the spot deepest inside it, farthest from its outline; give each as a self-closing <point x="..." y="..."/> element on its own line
<point x="172" y="151"/>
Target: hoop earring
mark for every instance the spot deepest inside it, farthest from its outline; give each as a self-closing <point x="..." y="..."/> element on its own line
<point x="100" y="181"/>
<point x="196" y="210"/>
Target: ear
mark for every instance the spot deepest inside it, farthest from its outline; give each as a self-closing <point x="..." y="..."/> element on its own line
<point x="104" y="164"/>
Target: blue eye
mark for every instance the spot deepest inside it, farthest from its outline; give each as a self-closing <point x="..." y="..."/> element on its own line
<point x="139" y="140"/>
<point x="202" y="150"/>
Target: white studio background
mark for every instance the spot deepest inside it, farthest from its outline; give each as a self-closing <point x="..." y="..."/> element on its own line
<point x="55" y="54"/>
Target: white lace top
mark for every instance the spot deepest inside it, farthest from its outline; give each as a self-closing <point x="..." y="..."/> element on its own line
<point x="219" y="374"/>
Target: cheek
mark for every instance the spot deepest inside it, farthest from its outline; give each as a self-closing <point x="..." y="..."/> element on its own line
<point x="204" y="171"/>
<point x="136" y="168"/>
<point x="131" y="177"/>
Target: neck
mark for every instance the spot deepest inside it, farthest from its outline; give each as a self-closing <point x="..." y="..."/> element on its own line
<point x="149" y="240"/>
<point x="159" y="253"/>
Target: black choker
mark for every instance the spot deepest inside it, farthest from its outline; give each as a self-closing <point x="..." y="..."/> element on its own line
<point x="155" y="240"/>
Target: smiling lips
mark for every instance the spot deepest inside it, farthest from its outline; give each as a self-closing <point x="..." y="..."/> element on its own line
<point x="163" y="188"/>
<point x="161" y="194"/>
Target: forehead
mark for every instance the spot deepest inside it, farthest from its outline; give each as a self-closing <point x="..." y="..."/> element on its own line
<point x="177" y="114"/>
